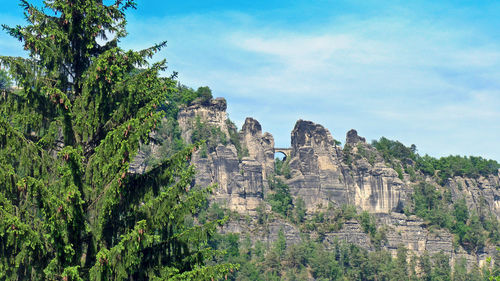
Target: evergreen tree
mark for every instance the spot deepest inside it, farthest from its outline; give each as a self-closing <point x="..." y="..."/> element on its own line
<point x="5" y="82"/>
<point x="69" y="207"/>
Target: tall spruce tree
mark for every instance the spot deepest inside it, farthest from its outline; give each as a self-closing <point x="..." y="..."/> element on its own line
<point x="69" y="207"/>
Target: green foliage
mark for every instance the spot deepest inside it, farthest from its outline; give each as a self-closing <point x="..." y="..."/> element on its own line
<point x="299" y="210"/>
<point x="397" y="155"/>
<point x="280" y="200"/>
<point x="399" y="171"/>
<point x="348" y="157"/>
<point x="210" y="134"/>
<point x="338" y="261"/>
<point x="323" y="264"/>
<point x="436" y="267"/>
<point x="411" y="171"/>
<point x="492" y="272"/>
<point x="394" y="149"/>
<point x="262" y="215"/>
<point x="428" y="204"/>
<point x="356" y="153"/>
<point x="472" y="231"/>
<point x="282" y="167"/>
<point x="452" y="166"/>
<point x="329" y="220"/>
<point x="280" y="244"/>
<point x="234" y="138"/>
<point x="460" y="211"/>
<point x="445" y="167"/>
<point x="460" y="270"/>
<point x="441" y="270"/>
<point x="5" y="80"/>
<point x="213" y="212"/>
<point x="349" y="212"/>
<point x="228" y="244"/>
<point x="369" y="224"/>
<point x="69" y="208"/>
<point x="168" y="140"/>
<point x="188" y="96"/>
<point x="205" y="94"/>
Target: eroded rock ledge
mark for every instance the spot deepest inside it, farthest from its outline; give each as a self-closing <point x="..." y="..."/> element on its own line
<point x="323" y="174"/>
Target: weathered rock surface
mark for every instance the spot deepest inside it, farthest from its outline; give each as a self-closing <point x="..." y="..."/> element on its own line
<point x="267" y="233"/>
<point x="481" y="194"/>
<point x="316" y="169"/>
<point x="323" y="174"/>
<point x="213" y="113"/>
<point x="260" y="146"/>
<point x="241" y="183"/>
<point x="351" y="232"/>
<point x="352" y="138"/>
<point x="320" y="177"/>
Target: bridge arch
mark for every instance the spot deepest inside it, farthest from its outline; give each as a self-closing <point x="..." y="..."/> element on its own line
<point x="286" y="151"/>
<point x="280" y="155"/>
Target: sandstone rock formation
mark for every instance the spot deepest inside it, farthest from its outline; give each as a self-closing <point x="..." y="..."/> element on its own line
<point x="316" y="169"/>
<point x="323" y="174"/>
<point x="320" y="177"/>
<point x="260" y="146"/>
<point x="214" y="113"/>
<point x="241" y="183"/>
<point x="352" y="138"/>
<point x="481" y="194"/>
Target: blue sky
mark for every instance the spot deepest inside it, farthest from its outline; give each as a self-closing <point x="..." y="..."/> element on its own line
<point x="420" y="72"/>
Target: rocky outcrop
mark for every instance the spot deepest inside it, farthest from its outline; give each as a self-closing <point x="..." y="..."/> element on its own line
<point x="324" y="175"/>
<point x="260" y="146"/>
<point x="212" y="113"/>
<point x="316" y="170"/>
<point x="352" y="138"/>
<point x="320" y="177"/>
<point x="267" y="233"/>
<point x="241" y="182"/>
<point x="352" y="233"/>
<point x="481" y="194"/>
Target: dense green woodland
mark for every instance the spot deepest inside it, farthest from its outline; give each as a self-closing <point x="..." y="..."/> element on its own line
<point x="472" y="229"/>
<point x="444" y="167"/>
<point x="71" y="210"/>
<point x="313" y="258"/>
<point x="69" y="207"/>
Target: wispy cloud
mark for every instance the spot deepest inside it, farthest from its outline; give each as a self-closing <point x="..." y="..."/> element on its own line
<point x="427" y="75"/>
<point x="418" y="81"/>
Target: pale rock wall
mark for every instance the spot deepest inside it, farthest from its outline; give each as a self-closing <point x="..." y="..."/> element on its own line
<point x="481" y="194"/>
<point x="240" y="183"/>
<point x="321" y="178"/>
<point x="213" y="113"/>
<point x="260" y="146"/>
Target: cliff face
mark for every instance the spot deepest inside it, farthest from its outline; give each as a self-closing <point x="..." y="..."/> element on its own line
<point x="481" y="195"/>
<point x="213" y="113"/>
<point x="320" y="176"/>
<point x="241" y="183"/>
<point x="323" y="175"/>
<point x="315" y="165"/>
<point x="260" y="146"/>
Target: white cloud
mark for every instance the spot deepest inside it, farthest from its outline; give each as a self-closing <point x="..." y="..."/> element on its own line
<point x="407" y="79"/>
<point x="404" y="77"/>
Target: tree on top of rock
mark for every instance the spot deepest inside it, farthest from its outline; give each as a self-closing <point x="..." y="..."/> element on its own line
<point x="69" y="208"/>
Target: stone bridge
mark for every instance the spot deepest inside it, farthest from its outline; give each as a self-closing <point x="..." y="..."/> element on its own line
<point x="286" y="151"/>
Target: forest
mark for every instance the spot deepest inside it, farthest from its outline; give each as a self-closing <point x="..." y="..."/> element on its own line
<point x="75" y="113"/>
<point x="69" y="207"/>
